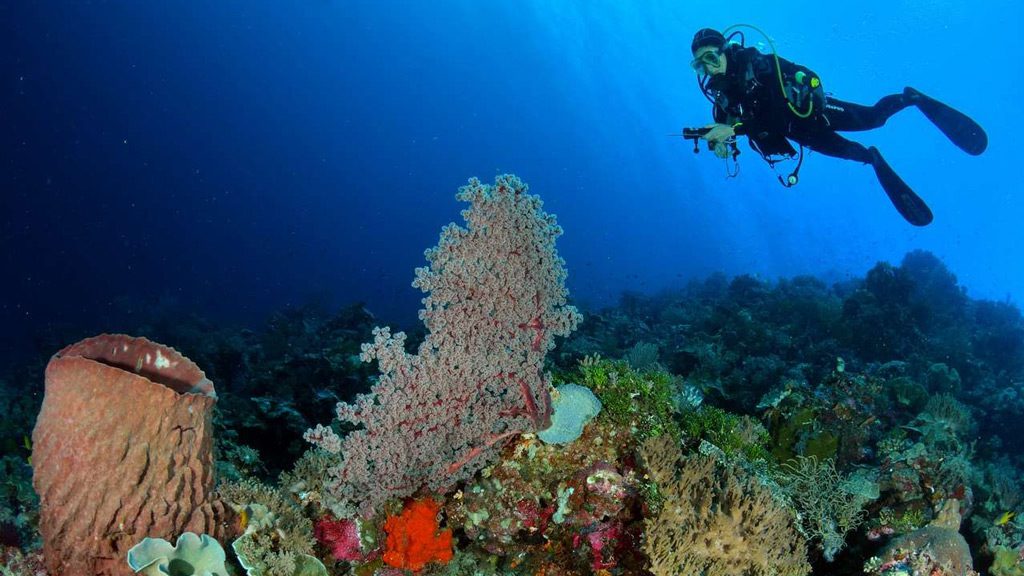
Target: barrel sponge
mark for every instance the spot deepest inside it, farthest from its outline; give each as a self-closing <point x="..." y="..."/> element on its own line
<point x="717" y="519"/>
<point x="122" y="448"/>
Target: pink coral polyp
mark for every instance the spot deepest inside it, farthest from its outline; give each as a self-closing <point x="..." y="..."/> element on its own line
<point x="341" y="537"/>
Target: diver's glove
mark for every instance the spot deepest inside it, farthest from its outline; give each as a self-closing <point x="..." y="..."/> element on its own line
<point x="719" y="134"/>
<point x="718" y="137"/>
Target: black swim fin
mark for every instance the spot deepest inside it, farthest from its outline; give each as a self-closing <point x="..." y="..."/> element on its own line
<point x="909" y="204"/>
<point x="967" y="134"/>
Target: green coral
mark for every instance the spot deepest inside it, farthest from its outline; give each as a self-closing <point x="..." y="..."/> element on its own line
<point x="786" y="432"/>
<point x="799" y="435"/>
<point x="1006" y="562"/>
<point x="640" y="400"/>
<point x="278" y="539"/>
<point x="822" y="446"/>
<point x="736" y="436"/>
<point x="911" y="519"/>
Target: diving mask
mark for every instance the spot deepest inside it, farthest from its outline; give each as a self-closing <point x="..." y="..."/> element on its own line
<point x="705" y="59"/>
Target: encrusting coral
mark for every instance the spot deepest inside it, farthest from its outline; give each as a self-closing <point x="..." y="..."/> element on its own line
<point x="414" y="537"/>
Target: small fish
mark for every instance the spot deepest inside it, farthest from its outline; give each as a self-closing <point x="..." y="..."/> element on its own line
<point x="1005" y="518"/>
<point x="243" y="518"/>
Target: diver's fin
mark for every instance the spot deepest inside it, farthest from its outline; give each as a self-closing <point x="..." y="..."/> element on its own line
<point x="967" y="134"/>
<point x="909" y="204"/>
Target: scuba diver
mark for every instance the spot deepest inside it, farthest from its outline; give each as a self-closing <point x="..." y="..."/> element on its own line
<point x="772" y="101"/>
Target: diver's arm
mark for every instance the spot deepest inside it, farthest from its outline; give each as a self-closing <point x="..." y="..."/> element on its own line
<point x="723" y="118"/>
<point x="720" y="132"/>
<point x="718" y="135"/>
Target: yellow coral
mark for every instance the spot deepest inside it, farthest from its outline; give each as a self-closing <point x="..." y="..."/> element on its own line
<point x="717" y="520"/>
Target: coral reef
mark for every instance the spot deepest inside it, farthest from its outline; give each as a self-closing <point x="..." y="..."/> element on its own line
<point x="745" y="428"/>
<point x="937" y="549"/>
<point x="581" y="502"/>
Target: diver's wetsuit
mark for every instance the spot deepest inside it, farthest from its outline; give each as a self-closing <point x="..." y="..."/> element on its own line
<point x="749" y="94"/>
<point x="750" y="97"/>
<point x="840" y="116"/>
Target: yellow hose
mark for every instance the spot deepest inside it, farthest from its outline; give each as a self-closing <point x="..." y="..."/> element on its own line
<point x="778" y="69"/>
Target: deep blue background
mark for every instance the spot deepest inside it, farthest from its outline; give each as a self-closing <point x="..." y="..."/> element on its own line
<point x="236" y="156"/>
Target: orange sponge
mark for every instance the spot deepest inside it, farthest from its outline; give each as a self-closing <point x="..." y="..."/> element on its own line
<point x="415" y="539"/>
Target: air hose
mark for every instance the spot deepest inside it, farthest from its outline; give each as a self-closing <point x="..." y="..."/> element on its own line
<point x="778" y="70"/>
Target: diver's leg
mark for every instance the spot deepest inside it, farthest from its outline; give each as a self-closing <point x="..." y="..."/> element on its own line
<point x="909" y="204"/>
<point x="831" y="144"/>
<point x="850" y="117"/>
<point x="963" y="131"/>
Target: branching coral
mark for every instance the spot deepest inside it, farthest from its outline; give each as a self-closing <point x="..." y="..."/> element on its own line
<point x="717" y="520"/>
<point x="277" y="538"/>
<point x="830" y="504"/>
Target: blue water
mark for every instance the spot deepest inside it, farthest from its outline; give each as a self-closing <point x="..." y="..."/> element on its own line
<point x="234" y="157"/>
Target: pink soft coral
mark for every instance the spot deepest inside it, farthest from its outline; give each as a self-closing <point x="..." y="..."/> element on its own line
<point x="341" y="537"/>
